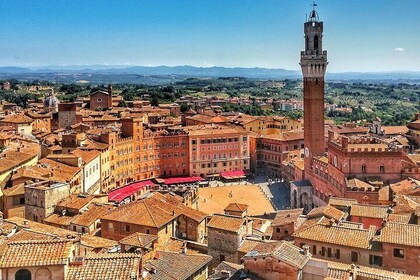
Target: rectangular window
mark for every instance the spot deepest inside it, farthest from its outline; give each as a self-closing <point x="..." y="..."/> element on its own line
<point x="323" y="251"/>
<point x="398" y="253"/>
<point x="375" y="260"/>
<point x="363" y="168"/>
<point x="337" y="254"/>
<point x="329" y="252"/>
<point x="382" y="169"/>
<point x="314" y="250"/>
<point x="354" y="257"/>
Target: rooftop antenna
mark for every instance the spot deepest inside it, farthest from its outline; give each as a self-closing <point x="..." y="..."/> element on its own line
<point x="314" y="5"/>
<point x="313" y="16"/>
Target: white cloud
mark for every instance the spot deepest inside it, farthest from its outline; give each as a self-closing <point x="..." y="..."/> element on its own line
<point x="399" y="49"/>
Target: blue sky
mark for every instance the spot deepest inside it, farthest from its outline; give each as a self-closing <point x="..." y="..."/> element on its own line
<point x="360" y="35"/>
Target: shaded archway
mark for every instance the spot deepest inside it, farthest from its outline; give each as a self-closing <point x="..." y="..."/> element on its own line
<point x="304" y="200"/>
<point x="294" y="198"/>
<point x="23" y="274"/>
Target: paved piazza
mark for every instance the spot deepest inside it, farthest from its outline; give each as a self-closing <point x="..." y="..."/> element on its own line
<point x="215" y="199"/>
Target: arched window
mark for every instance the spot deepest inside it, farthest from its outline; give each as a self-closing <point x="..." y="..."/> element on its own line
<point x="23" y="274"/>
<point x="316" y="44"/>
<point x="43" y="274"/>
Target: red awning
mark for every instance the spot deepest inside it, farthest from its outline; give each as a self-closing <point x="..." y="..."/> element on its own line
<point x="182" y="180"/>
<point x="233" y="174"/>
<point x="120" y="194"/>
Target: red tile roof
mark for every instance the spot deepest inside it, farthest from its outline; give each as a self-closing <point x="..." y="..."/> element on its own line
<point x="36" y="253"/>
<point x="105" y="267"/>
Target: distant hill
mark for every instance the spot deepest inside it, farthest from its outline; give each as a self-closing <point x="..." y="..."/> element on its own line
<point x="132" y="73"/>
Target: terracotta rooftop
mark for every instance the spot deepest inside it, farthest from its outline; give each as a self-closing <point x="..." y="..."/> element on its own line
<point x="227" y="223"/>
<point x="369" y="211"/>
<point x="233" y="269"/>
<point x="140" y="240"/>
<point x="5" y="136"/>
<point x="76" y="201"/>
<point x="236" y="207"/>
<point x="28" y="234"/>
<point x="332" y="234"/>
<point x="36" y="253"/>
<point x="285" y="217"/>
<point x="7" y="227"/>
<point x="105" y="267"/>
<point x="11" y="159"/>
<point x="207" y="130"/>
<point x="154" y="211"/>
<point x="359" y="185"/>
<point x="170" y="265"/>
<point x="286" y="136"/>
<point x="399" y="218"/>
<point x="30" y="172"/>
<point x="18" y="119"/>
<point x="87" y="156"/>
<point x="60" y="172"/>
<point x="341" y="271"/>
<point x="92" y="214"/>
<point x="402" y="234"/>
<point x="283" y="251"/>
<point x="299" y="164"/>
<point x="59" y="220"/>
<point x="14" y="190"/>
<point x="140" y="212"/>
<point x="389" y="130"/>
<point x="96" y="242"/>
<point x="38" y="227"/>
<point x="327" y="211"/>
<point x="248" y="244"/>
<point x="342" y="202"/>
<point x="407" y="186"/>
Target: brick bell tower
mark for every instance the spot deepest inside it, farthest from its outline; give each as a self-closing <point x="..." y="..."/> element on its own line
<point x="313" y="61"/>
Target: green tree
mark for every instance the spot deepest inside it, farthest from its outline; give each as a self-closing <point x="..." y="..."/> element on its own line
<point x="154" y="101"/>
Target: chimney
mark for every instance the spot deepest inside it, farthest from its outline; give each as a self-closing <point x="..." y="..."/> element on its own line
<point x="184" y="248"/>
<point x="225" y="274"/>
<point x="25" y="222"/>
<point x="110" y="89"/>
<point x="305" y="250"/>
<point x="63" y="212"/>
<point x="330" y="135"/>
<point x="331" y="222"/>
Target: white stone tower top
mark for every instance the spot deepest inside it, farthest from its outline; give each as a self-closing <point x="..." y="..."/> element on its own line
<point x="313" y="59"/>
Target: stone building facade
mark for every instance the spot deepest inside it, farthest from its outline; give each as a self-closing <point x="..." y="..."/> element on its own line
<point x="41" y="198"/>
<point x="225" y="234"/>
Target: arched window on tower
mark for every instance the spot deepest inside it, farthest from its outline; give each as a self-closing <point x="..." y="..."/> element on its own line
<point x="307" y="42"/>
<point x="316" y="44"/>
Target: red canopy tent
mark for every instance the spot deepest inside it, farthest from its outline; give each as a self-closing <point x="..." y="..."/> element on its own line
<point x="182" y="180"/>
<point x="120" y="194"/>
<point x="233" y="174"/>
